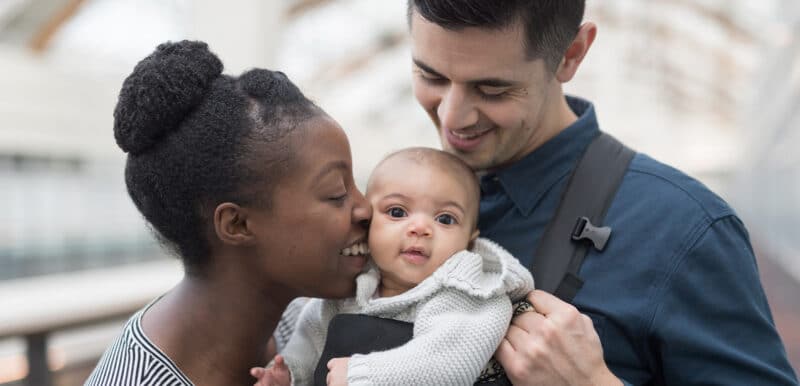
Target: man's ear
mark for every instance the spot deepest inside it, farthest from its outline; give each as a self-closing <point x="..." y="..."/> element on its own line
<point x="231" y="225"/>
<point x="576" y="52"/>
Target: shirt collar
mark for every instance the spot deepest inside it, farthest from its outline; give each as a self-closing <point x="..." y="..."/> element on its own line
<point x="528" y="179"/>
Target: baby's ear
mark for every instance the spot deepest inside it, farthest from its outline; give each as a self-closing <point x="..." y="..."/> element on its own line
<point x="472" y="239"/>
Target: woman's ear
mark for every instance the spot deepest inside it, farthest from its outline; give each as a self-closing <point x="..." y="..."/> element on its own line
<point x="231" y="224"/>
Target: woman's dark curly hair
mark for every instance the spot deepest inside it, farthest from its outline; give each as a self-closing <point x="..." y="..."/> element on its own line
<point x="196" y="138"/>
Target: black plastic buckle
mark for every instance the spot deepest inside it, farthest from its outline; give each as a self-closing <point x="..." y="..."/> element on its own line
<point x="584" y="229"/>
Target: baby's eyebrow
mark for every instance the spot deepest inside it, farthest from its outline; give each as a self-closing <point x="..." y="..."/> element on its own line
<point x="395" y="196"/>
<point x="453" y="204"/>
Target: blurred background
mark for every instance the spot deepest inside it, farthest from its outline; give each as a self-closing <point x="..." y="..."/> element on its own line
<point x="709" y="86"/>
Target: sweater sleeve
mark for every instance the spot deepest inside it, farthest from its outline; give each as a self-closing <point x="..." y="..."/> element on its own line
<point x="305" y="346"/>
<point x="455" y="335"/>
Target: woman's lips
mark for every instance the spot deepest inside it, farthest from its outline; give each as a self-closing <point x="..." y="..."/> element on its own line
<point x="356" y="255"/>
<point x="357" y="262"/>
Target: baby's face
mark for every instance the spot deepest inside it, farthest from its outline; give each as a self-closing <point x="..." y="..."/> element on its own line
<point x="421" y="216"/>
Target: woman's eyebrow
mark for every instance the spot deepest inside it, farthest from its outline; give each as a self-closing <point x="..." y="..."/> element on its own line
<point x="329" y="167"/>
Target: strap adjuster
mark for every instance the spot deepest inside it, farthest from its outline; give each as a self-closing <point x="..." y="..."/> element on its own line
<point x="585" y="230"/>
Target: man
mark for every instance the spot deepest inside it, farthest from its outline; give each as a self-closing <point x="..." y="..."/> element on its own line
<point x="675" y="297"/>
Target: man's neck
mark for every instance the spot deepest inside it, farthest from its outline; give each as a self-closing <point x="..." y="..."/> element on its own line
<point x="560" y="117"/>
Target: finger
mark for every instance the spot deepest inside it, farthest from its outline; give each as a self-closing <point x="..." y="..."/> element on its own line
<point x="257" y="371"/>
<point x="333" y="362"/>
<point x="555" y="310"/>
<point x="517" y="337"/>
<point x="544" y="302"/>
<point x="505" y="352"/>
<point x="528" y="321"/>
<point x="280" y="364"/>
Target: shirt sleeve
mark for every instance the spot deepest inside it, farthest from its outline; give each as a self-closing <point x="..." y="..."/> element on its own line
<point x="455" y="335"/>
<point x="305" y="346"/>
<point x="713" y="325"/>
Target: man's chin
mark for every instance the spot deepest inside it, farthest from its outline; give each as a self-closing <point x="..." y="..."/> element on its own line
<point x="476" y="160"/>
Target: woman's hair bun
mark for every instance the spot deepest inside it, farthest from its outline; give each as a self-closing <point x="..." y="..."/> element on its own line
<point x="162" y="89"/>
<point x="261" y="83"/>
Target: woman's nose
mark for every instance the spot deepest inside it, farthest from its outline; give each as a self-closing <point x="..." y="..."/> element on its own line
<point x="362" y="210"/>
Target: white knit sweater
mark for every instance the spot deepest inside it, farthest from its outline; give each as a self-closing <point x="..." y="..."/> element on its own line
<point x="460" y="315"/>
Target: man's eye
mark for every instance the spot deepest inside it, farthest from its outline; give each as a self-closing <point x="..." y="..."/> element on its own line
<point x="490" y="92"/>
<point x="433" y="79"/>
<point x="396" y="212"/>
<point x="446" y="219"/>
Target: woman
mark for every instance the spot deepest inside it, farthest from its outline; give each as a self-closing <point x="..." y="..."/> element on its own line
<point x="251" y="185"/>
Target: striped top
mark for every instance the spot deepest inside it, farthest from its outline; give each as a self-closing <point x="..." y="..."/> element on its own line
<point x="286" y="326"/>
<point x="133" y="360"/>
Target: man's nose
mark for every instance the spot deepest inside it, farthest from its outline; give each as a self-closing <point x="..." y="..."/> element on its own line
<point x="456" y="109"/>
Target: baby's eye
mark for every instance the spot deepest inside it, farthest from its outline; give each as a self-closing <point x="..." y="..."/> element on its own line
<point x="396" y="212"/>
<point x="446" y="219"/>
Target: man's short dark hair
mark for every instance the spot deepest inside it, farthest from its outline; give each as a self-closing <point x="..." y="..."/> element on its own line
<point x="550" y="25"/>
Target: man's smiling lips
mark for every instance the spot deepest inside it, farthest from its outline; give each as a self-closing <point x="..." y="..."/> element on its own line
<point x="463" y="140"/>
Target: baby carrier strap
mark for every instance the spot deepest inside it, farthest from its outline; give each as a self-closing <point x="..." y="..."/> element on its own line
<point x="575" y="226"/>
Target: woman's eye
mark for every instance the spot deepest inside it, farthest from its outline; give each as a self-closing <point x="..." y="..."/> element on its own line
<point x="446" y="219"/>
<point x="396" y="212"/>
<point x="338" y="198"/>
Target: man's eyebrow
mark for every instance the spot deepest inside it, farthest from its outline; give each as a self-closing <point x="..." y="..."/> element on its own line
<point x="427" y="68"/>
<point x="491" y="82"/>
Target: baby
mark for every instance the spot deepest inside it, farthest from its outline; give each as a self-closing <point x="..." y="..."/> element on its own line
<point x="428" y="267"/>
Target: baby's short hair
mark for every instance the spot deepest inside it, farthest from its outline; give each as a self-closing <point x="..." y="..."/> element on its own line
<point x="446" y="162"/>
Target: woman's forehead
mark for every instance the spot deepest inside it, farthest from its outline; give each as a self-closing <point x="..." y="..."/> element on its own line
<point x="321" y="147"/>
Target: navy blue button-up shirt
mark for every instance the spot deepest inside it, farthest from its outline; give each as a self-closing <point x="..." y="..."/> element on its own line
<point x="675" y="297"/>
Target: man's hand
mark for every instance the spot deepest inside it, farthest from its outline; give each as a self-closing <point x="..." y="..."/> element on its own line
<point x="337" y="371"/>
<point x="276" y="375"/>
<point x="555" y="345"/>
